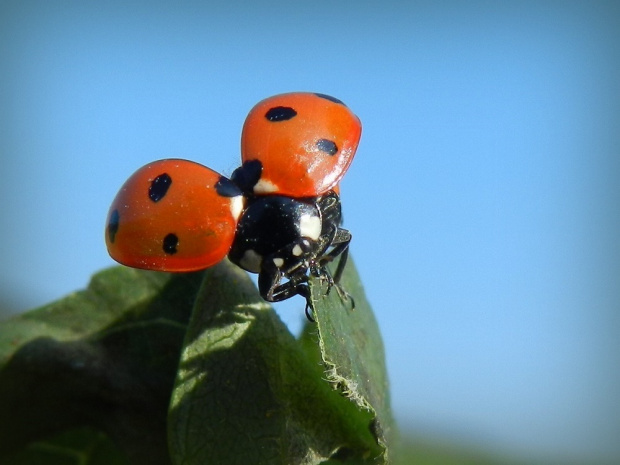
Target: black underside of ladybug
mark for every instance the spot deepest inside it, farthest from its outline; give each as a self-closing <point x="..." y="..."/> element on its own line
<point x="281" y="238"/>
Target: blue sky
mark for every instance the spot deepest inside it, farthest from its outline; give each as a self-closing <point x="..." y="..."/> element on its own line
<point x="483" y="199"/>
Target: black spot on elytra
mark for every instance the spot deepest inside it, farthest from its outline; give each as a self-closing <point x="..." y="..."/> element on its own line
<point x="330" y="98"/>
<point x="159" y="187"/>
<point x="113" y="225"/>
<point x="247" y="175"/>
<point x="171" y="241"/>
<point x="277" y="114"/>
<point x="226" y="188"/>
<point x="327" y="146"/>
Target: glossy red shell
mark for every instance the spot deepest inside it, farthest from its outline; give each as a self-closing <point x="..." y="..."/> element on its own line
<point x="191" y="210"/>
<point x="290" y="150"/>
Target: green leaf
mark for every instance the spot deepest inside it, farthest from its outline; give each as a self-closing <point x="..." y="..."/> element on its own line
<point x="105" y="357"/>
<point x="76" y="447"/>
<point x="352" y="350"/>
<point x="96" y="371"/>
<point x="248" y="392"/>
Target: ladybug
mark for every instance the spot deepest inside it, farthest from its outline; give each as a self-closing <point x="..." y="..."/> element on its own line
<point x="278" y="215"/>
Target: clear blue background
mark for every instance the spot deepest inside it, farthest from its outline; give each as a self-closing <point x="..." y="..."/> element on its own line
<point x="483" y="199"/>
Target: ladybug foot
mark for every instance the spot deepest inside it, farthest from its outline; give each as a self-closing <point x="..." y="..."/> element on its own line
<point x="304" y="291"/>
<point x="344" y="295"/>
<point x="325" y="275"/>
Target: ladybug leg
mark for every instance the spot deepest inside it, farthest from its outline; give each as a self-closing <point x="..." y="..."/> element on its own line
<point x="344" y="295"/>
<point x="269" y="280"/>
<point x="340" y="242"/>
<point x="271" y="289"/>
<point x="339" y="239"/>
<point x="308" y="310"/>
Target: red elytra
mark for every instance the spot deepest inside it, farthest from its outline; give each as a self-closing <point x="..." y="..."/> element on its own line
<point x="169" y="216"/>
<point x="304" y="141"/>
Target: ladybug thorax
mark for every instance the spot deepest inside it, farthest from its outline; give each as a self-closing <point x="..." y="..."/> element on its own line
<point x="277" y="228"/>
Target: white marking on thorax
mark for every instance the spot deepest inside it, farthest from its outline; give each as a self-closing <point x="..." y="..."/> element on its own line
<point x="264" y="186"/>
<point x="310" y="226"/>
<point x="297" y="250"/>
<point x="236" y="206"/>
<point x="251" y="261"/>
